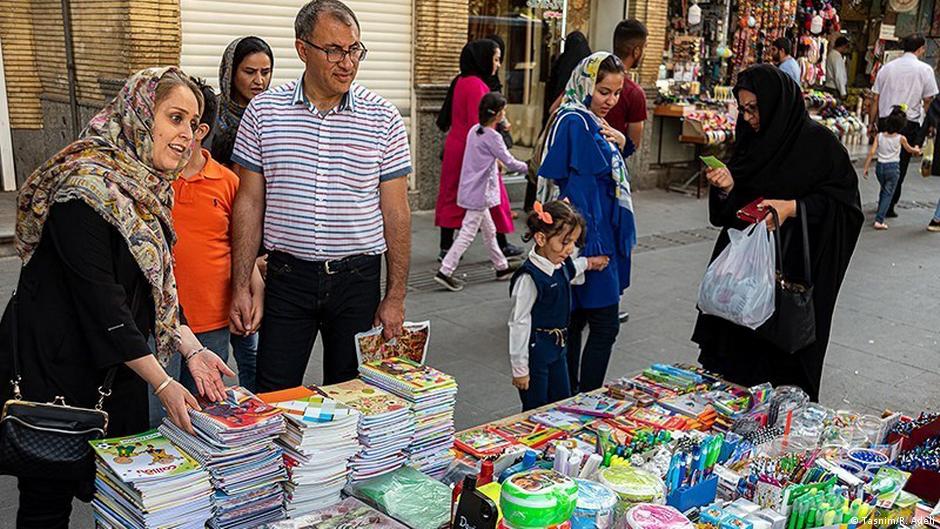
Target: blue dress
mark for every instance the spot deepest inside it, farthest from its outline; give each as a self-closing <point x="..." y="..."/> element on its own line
<point x="579" y="161"/>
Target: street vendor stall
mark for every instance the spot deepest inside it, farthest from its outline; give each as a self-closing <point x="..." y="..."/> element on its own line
<point x="671" y="447"/>
<point x="706" y="123"/>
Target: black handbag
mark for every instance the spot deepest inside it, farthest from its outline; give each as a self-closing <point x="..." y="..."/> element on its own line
<point x="793" y="324"/>
<point x="49" y="440"/>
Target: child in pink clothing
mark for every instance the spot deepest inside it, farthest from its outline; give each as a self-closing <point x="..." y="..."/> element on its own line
<point x="479" y="191"/>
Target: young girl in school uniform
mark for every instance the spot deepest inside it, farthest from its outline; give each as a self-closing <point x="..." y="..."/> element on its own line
<point x="541" y="303"/>
<point x="479" y="190"/>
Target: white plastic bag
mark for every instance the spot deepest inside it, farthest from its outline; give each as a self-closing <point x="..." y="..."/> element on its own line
<point x="739" y="284"/>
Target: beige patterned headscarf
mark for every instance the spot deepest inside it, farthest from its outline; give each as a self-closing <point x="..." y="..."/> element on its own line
<point x="110" y="168"/>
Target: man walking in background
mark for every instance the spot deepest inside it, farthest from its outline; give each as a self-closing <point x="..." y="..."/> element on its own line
<point x="909" y="82"/>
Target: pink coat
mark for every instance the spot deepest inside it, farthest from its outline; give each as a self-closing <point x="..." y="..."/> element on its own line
<point x="466" y="103"/>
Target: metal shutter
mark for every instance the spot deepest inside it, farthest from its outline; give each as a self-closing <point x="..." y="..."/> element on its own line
<point x="209" y="25"/>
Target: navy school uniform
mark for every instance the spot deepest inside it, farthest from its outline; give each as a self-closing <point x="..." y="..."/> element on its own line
<point x="548" y="335"/>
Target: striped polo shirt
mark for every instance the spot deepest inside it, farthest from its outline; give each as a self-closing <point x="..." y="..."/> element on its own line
<point x="322" y="170"/>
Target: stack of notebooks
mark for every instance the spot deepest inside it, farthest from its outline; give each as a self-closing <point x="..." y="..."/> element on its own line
<point x="432" y="395"/>
<point x="386" y="427"/>
<point x="143" y="481"/>
<point x="321" y="437"/>
<point x="347" y="514"/>
<point x="235" y="442"/>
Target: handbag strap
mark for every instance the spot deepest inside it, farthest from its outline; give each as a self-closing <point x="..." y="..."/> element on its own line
<point x="103" y="391"/>
<point x="801" y="213"/>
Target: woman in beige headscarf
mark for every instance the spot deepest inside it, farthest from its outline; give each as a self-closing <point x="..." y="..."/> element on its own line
<point x="94" y="231"/>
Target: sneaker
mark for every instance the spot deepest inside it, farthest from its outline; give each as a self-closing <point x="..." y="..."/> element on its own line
<point x="449" y="282"/>
<point x="624" y="317"/>
<point x="934" y="226"/>
<point x="441" y="256"/>
<point x="511" y="250"/>
<point x="880" y="225"/>
<point x="503" y="275"/>
<point x="892" y="214"/>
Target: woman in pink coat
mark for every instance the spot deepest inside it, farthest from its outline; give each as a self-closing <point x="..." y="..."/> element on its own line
<point x="479" y="62"/>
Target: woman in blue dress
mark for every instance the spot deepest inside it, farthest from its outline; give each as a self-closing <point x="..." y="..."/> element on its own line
<point x="584" y="159"/>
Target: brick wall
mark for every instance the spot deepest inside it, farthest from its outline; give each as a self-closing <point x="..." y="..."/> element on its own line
<point x="111" y="39"/>
<point x="154" y="36"/>
<point x="19" y="58"/>
<point x="440" y="34"/>
<point x="653" y="14"/>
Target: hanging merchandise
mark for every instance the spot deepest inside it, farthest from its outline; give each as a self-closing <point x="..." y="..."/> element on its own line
<point x="759" y="22"/>
<point x="816" y="25"/>
<point x="695" y="15"/>
<point x="903" y="6"/>
<point x="812" y="62"/>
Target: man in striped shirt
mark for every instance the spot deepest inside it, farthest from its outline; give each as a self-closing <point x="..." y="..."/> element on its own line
<point x="323" y="165"/>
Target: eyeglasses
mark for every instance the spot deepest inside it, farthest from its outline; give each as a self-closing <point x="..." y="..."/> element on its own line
<point x="335" y="55"/>
<point x="750" y="109"/>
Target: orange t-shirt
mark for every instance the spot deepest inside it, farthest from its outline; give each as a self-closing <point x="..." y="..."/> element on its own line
<point x="202" y="217"/>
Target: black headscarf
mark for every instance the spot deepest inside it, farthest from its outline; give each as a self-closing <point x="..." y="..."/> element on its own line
<point x="790" y="157"/>
<point x="476" y="59"/>
<point x="493" y="80"/>
<point x="576" y="50"/>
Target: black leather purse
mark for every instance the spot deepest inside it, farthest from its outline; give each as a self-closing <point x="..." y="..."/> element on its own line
<point x="49" y="440"/>
<point x="793" y="324"/>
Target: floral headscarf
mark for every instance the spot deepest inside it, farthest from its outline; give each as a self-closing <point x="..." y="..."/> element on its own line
<point x="577" y="97"/>
<point x="110" y="168"/>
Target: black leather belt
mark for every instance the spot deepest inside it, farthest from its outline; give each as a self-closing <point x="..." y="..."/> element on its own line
<point x="330" y="267"/>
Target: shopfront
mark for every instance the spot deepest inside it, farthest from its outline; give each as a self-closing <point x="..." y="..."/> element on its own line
<point x="533" y="31"/>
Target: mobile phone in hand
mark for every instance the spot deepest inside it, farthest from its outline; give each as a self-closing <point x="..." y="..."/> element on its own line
<point x="712" y="163"/>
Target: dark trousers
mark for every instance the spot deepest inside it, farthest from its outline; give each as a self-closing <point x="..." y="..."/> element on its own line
<point x="548" y="373"/>
<point x="531" y="190"/>
<point x="587" y="368"/>
<point x="303" y="298"/>
<point x="47" y="503"/>
<point x="447" y="239"/>
<point x="914" y="137"/>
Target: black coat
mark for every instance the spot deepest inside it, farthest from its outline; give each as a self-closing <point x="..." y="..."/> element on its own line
<point x="83" y="306"/>
<point x="790" y="157"/>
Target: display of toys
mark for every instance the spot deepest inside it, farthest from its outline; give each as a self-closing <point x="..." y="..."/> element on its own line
<point x="537" y="498"/>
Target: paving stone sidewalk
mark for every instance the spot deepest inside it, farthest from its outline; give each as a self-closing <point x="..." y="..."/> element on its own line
<point x="884" y="350"/>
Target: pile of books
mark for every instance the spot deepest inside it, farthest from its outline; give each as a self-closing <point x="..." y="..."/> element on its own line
<point x="235" y="442"/>
<point x="433" y="396"/>
<point x="347" y="514"/>
<point x="386" y="428"/>
<point x="321" y="437"/>
<point x="143" y="481"/>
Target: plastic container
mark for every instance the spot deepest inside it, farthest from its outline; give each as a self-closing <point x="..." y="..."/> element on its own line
<point x="633" y="485"/>
<point x="596" y="508"/>
<point x="653" y="516"/>
<point x="537" y="498"/>
<point x="564" y="525"/>
<point x="528" y="461"/>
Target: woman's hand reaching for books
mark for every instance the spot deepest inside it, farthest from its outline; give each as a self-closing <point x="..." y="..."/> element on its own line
<point x="176" y="401"/>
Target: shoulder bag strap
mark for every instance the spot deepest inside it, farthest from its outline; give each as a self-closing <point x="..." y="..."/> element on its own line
<point x="801" y="213"/>
<point x="807" y="268"/>
<point x="776" y="237"/>
<point x="14" y="348"/>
